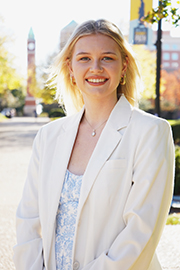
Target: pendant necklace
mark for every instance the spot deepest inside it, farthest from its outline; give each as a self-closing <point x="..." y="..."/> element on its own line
<point x="94" y="129"/>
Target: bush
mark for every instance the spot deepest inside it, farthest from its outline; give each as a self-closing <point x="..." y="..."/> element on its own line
<point x="173" y="219"/>
<point x="175" y="125"/>
<point x="43" y="114"/>
<point x="177" y="171"/>
<point x="57" y="112"/>
<point x="2" y="117"/>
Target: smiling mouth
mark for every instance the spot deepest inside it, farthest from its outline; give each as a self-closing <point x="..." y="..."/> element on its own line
<point x="96" y="80"/>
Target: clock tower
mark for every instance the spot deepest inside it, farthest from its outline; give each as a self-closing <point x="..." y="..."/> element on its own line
<point x="30" y="102"/>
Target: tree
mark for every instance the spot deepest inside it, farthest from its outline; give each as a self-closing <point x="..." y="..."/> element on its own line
<point x="9" y="78"/>
<point x="47" y="93"/>
<point x="165" y="10"/>
<point x="13" y="99"/>
<point x="171" y="96"/>
<point x="45" y="89"/>
<point x="170" y="13"/>
<point x="147" y="60"/>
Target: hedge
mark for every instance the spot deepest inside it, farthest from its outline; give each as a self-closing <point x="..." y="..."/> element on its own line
<point x="177" y="171"/>
<point x="173" y="219"/>
<point x="175" y="125"/>
<point x="57" y="112"/>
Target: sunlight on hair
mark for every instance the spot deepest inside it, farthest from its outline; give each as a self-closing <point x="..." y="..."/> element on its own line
<point x="69" y="94"/>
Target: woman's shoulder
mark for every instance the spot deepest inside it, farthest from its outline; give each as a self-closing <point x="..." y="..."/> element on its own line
<point x="55" y="127"/>
<point x="146" y="127"/>
<point x="145" y="119"/>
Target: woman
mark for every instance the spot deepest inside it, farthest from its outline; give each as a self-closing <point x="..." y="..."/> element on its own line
<point x="100" y="182"/>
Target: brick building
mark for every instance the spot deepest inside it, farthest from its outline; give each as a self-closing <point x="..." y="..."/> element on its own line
<point x="66" y="32"/>
<point x="170" y="51"/>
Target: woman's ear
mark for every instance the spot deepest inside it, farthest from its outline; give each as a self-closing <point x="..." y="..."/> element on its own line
<point x="125" y="65"/>
<point x="68" y="62"/>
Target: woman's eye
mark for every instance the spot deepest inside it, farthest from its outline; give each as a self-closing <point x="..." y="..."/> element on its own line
<point x="106" y="58"/>
<point x="84" y="59"/>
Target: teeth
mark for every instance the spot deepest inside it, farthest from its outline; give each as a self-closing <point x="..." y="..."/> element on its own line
<point x="96" y="80"/>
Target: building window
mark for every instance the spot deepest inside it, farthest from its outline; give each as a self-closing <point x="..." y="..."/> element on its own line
<point x="174" y="56"/>
<point x="166" y="56"/>
<point x="166" y="47"/>
<point x="175" y="65"/>
<point x="174" y="47"/>
<point x="166" y="64"/>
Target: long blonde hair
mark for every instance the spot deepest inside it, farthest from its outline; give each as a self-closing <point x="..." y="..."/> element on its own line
<point x="69" y="94"/>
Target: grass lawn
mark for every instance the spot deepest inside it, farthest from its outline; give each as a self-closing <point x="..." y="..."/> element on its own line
<point x="2" y="117"/>
<point x="173" y="219"/>
<point x="174" y="122"/>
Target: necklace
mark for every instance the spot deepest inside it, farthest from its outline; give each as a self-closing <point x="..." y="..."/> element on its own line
<point x="94" y="129"/>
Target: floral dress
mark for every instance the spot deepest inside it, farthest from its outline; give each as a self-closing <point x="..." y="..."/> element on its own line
<point x="66" y="220"/>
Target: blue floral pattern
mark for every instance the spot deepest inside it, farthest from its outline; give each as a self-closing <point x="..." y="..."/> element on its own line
<point x="66" y="220"/>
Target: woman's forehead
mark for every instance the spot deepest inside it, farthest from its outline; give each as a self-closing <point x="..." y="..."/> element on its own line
<point x="96" y="41"/>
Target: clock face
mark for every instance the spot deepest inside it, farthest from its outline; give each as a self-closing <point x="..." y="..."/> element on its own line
<point x="31" y="46"/>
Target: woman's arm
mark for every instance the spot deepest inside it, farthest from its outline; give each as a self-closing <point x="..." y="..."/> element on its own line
<point x="28" y="253"/>
<point x="147" y="205"/>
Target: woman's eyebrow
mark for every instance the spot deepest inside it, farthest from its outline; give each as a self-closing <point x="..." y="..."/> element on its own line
<point x="109" y="53"/>
<point x="81" y="53"/>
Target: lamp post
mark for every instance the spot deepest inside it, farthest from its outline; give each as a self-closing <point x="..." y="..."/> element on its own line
<point x="158" y="69"/>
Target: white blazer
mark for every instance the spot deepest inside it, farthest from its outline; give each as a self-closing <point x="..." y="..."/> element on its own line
<point x="125" y="195"/>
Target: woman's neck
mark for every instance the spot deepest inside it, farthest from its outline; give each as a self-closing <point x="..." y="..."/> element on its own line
<point x="96" y="112"/>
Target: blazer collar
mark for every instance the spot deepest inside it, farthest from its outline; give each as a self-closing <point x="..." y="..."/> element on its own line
<point x="120" y="115"/>
<point x="118" y="118"/>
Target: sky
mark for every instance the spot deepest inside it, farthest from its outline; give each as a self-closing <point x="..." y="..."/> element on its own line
<point x="48" y="18"/>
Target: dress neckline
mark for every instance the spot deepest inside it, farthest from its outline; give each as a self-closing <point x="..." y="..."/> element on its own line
<point x="76" y="175"/>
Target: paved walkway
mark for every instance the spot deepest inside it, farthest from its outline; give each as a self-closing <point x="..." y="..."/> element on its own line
<point x="16" y="137"/>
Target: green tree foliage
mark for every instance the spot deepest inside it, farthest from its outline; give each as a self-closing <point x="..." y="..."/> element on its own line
<point x="13" y="99"/>
<point x="9" y="78"/>
<point x="45" y="88"/>
<point x="47" y="91"/>
<point x="165" y="10"/>
<point x="177" y="171"/>
<point x="147" y="61"/>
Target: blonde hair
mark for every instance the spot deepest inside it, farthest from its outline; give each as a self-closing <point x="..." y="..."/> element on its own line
<point x="68" y="93"/>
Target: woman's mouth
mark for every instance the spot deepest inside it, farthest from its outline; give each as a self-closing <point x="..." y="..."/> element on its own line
<point x="96" y="81"/>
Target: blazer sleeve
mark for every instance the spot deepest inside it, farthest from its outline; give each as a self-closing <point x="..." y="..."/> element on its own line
<point x="28" y="253"/>
<point x="147" y="205"/>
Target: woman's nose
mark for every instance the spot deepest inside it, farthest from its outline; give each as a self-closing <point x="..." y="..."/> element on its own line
<point x="96" y="67"/>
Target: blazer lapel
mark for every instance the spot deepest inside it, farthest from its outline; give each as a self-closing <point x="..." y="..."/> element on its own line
<point x="109" y="139"/>
<point x="63" y="149"/>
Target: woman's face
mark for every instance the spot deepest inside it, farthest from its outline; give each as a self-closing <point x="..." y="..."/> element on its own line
<point x="97" y="66"/>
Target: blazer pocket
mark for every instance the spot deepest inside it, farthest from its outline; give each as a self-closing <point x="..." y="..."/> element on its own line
<point x="109" y="184"/>
<point x="111" y="173"/>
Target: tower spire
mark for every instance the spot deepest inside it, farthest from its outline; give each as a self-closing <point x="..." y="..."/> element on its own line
<point x="31" y="34"/>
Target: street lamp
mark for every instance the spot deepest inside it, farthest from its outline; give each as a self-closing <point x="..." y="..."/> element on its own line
<point x="158" y="69"/>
